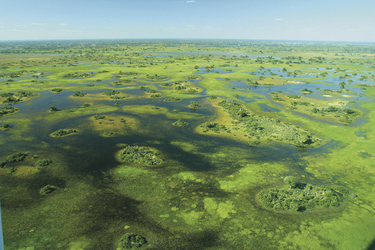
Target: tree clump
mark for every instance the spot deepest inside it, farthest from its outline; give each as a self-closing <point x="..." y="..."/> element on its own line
<point x="47" y="189"/>
<point x="79" y="94"/>
<point x="43" y="163"/>
<point x="214" y="127"/>
<point x="172" y="99"/>
<point x="143" y="155"/>
<point x="131" y="241"/>
<point x="63" y="132"/>
<point x="16" y="157"/>
<point x="180" y="123"/>
<point x="298" y="196"/>
<point x="7" y="109"/>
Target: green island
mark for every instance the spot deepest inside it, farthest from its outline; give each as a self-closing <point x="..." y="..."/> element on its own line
<point x="78" y="75"/>
<point x="300" y="197"/>
<point x="185" y="144"/>
<point x="180" y="123"/>
<point x="142" y="155"/>
<point x="63" y="132"/>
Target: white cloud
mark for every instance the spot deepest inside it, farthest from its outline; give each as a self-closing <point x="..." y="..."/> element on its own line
<point x="38" y="24"/>
<point x="190" y="1"/>
<point x="190" y="26"/>
<point x="63" y="24"/>
<point x="278" y="19"/>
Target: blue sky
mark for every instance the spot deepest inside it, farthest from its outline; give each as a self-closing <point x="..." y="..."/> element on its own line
<point x="329" y="20"/>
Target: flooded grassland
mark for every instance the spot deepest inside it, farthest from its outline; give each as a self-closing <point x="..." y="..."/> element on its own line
<point x="192" y="146"/>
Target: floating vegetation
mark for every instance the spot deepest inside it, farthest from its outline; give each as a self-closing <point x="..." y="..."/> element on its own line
<point x="16" y="157"/>
<point x="63" y="132"/>
<point x="300" y="197"/>
<point x="131" y="241"/>
<point x="180" y="123"/>
<point x="142" y="155"/>
<point x="2" y="164"/>
<point x="43" y="163"/>
<point x="172" y="99"/>
<point x="85" y="105"/>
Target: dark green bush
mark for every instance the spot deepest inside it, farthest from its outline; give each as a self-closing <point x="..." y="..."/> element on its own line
<point x="42" y="163"/>
<point x="16" y="157"/>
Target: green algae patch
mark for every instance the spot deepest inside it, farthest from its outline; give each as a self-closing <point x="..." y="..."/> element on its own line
<point x="128" y="172"/>
<point x="63" y="132"/>
<point x="188" y="176"/>
<point x="186" y="146"/>
<point x="299" y="197"/>
<point x="141" y="155"/>
<point x="191" y="218"/>
<point x="250" y="176"/>
<point x="221" y="210"/>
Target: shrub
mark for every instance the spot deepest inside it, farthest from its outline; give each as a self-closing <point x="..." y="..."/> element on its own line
<point x="16" y="157"/>
<point x="97" y="117"/>
<point x="42" y="163"/>
<point x="79" y="94"/>
<point x="63" y="132"/>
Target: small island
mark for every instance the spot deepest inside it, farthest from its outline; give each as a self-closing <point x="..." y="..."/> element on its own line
<point x="300" y="197"/>
<point x="63" y="132"/>
<point x="142" y="155"/>
<point x="180" y="123"/>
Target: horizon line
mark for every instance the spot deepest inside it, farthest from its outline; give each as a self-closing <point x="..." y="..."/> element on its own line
<point x="228" y="39"/>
